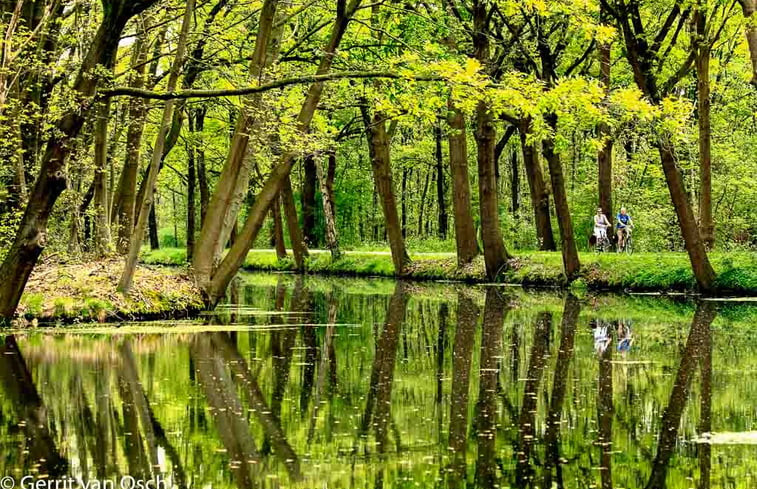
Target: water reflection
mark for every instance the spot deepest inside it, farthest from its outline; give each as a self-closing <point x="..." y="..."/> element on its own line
<point x="336" y="384"/>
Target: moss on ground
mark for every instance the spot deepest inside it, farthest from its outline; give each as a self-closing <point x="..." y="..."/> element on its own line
<point x="663" y="272"/>
<point x="87" y="292"/>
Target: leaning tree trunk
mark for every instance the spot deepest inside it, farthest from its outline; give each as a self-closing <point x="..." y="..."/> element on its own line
<point x="750" y="7"/>
<point x="299" y="249"/>
<point x="332" y="238"/>
<point x="378" y="146"/>
<point x="702" y="47"/>
<point x="214" y="287"/>
<point x="465" y="232"/>
<point x="495" y="254"/>
<point x="700" y="263"/>
<point x="135" y="243"/>
<point x="31" y="235"/>
<point x="537" y="189"/>
<point x="278" y="229"/>
<point x="571" y="265"/>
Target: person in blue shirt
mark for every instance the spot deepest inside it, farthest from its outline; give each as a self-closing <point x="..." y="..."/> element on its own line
<point x="624" y="222"/>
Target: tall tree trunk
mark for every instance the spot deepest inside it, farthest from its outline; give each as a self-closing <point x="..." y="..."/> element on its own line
<point x="191" y="205"/>
<point x="604" y="156"/>
<point x="31" y="235"/>
<point x="215" y="286"/>
<point x="308" y="201"/>
<point x="440" y="187"/>
<point x="378" y="146"/>
<point x="515" y="183"/>
<point x="537" y="189"/>
<point x="135" y="242"/>
<point x="202" y="174"/>
<point x="571" y="265"/>
<point x="299" y="249"/>
<point x="332" y="238"/>
<point x="124" y="205"/>
<point x="465" y="232"/>
<point x="700" y="263"/>
<point x="750" y="7"/>
<point x="153" y="230"/>
<point x="702" y="47"/>
<point x="102" y="221"/>
<point x="422" y="204"/>
<point x="403" y="203"/>
<point x="278" y="228"/>
<point x="232" y="184"/>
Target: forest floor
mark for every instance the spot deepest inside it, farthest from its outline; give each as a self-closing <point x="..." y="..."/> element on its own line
<point x="656" y="272"/>
<point x="71" y="293"/>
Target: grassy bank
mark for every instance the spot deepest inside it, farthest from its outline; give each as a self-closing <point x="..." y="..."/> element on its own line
<point x="87" y="292"/>
<point x="737" y="272"/>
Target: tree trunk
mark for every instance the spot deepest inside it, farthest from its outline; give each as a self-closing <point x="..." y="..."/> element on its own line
<point x="537" y="189"/>
<point x="232" y="184"/>
<point x="135" y="242"/>
<point x="604" y="157"/>
<point x="515" y="183"/>
<point x="702" y="46"/>
<point x="202" y="174"/>
<point x="403" y="203"/>
<point x="422" y="205"/>
<point x="750" y="7"/>
<point x="378" y="146"/>
<point x="102" y="221"/>
<point x="299" y="249"/>
<point x="700" y="263"/>
<point x="191" y="205"/>
<point x="465" y="233"/>
<point x="153" y="230"/>
<point x="571" y="265"/>
<point x="440" y="187"/>
<point x="214" y="287"/>
<point x="278" y="228"/>
<point x="308" y="201"/>
<point x="332" y="238"/>
<point x="495" y="254"/>
<point x="31" y="235"/>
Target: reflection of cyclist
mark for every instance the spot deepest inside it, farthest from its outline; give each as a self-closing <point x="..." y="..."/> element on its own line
<point x="625" y="338"/>
<point x="601" y="337"/>
<point x="624" y="222"/>
<point x="600" y="225"/>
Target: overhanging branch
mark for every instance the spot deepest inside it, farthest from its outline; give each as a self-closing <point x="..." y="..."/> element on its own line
<point x="284" y="82"/>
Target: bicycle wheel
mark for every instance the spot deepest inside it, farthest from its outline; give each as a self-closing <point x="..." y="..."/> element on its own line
<point x="629" y="245"/>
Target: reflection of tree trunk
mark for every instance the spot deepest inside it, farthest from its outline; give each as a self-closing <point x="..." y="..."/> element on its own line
<point x="139" y="465"/>
<point x="226" y="408"/>
<point x="440" y="347"/>
<point x="671" y="417"/>
<point x="382" y="373"/>
<point x="467" y="316"/>
<point x="486" y="420"/>
<point x="559" y="383"/>
<point x="605" y="414"/>
<point x="705" y="411"/>
<point x="527" y="418"/>
<point x="20" y="390"/>
<point x="326" y="350"/>
<point x="310" y="345"/>
<point x="271" y="424"/>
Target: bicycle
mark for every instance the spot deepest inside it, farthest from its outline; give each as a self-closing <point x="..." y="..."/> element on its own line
<point x="627" y="242"/>
<point x="602" y="243"/>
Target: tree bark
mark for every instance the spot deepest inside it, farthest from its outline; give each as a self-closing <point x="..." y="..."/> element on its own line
<point x="278" y="228"/>
<point x="702" y="47"/>
<point x="135" y="242"/>
<point x="202" y="174"/>
<point x="378" y="146"/>
<point x="514" y="183"/>
<point x="465" y="232"/>
<point x="571" y="264"/>
<point x="191" y="204"/>
<point x="604" y="157"/>
<point x="537" y="189"/>
<point x="440" y="186"/>
<point x="308" y="201"/>
<point x="102" y="220"/>
<point x="332" y="237"/>
<point x="214" y="286"/>
<point x="31" y="235"/>
<point x="299" y="248"/>
<point x="750" y="7"/>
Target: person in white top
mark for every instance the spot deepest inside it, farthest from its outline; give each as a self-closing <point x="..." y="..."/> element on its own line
<point x="600" y="225"/>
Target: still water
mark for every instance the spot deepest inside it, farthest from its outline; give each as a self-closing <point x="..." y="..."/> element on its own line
<point x="342" y="383"/>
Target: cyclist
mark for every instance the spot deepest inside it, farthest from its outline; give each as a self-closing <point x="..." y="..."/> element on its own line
<point x="624" y="223"/>
<point x="600" y="228"/>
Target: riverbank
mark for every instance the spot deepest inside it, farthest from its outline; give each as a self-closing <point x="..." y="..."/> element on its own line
<point x="85" y="292"/>
<point x="640" y="272"/>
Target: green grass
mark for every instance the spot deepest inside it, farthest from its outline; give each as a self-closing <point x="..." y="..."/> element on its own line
<point x="737" y="271"/>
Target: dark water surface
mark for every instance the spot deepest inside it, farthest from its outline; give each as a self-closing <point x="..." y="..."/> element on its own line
<point x="325" y="383"/>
